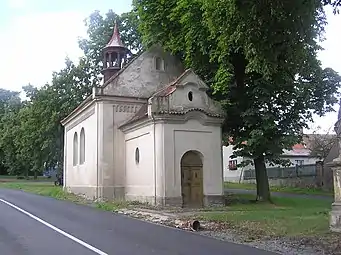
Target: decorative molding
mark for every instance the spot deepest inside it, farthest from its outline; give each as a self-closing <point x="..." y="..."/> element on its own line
<point x="120" y="99"/>
<point x="80" y="119"/>
<point x="126" y="108"/>
<point x="174" y="119"/>
<point x="137" y="136"/>
<point x="88" y="102"/>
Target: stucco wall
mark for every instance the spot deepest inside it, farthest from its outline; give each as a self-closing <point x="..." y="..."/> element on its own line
<point x="82" y="178"/>
<point x="192" y="135"/>
<point x="141" y="79"/>
<point x="139" y="176"/>
<point x="111" y="145"/>
<point x="192" y="83"/>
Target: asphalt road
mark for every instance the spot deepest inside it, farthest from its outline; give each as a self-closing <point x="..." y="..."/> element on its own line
<point x="35" y="225"/>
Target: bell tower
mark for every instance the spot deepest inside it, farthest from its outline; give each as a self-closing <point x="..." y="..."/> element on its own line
<point x="114" y="55"/>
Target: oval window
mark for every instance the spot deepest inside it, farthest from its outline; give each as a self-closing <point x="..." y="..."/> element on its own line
<point x="137" y="156"/>
<point x="190" y="96"/>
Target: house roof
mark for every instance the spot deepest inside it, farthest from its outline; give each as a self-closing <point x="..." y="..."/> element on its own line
<point x="171" y="87"/>
<point x="300" y="149"/>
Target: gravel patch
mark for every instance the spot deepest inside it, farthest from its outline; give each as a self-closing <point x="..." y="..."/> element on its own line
<point x="223" y="232"/>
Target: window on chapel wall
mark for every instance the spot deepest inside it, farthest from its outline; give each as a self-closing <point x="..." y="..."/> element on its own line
<point x="159" y="65"/>
<point x="233" y="165"/>
<point x="75" y="149"/>
<point x="82" y="147"/>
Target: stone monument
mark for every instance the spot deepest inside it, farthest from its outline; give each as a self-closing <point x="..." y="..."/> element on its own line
<point x="335" y="215"/>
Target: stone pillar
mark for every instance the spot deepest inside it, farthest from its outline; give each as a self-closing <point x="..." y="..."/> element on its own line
<point x="335" y="215"/>
<point x="335" y="165"/>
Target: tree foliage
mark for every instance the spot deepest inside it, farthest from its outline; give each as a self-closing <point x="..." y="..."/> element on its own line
<point x="32" y="137"/>
<point x="259" y="59"/>
<point x="336" y="4"/>
<point x="100" y="30"/>
<point x="320" y="144"/>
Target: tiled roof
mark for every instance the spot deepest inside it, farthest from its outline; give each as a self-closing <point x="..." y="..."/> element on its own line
<point x="170" y="88"/>
<point x="115" y="40"/>
<point x="190" y="110"/>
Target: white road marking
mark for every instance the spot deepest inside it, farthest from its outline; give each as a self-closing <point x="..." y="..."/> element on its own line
<point x="75" y="239"/>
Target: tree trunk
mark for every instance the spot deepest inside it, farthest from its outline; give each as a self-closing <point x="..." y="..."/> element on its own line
<point x="35" y="175"/>
<point x="263" y="190"/>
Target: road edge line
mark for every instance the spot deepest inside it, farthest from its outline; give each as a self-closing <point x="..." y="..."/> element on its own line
<point x="73" y="238"/>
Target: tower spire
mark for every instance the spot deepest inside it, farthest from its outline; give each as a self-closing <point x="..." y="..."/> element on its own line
<point x="115" y="54"/>
<point x="115" y="40"/>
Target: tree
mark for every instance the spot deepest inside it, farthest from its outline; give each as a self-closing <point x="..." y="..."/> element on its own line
<point x="259" y="59"/>
<point x="334" y="3"/>
<point x="10" y="103"/>
<point x="100" y="30"/>
<point x="320" y="144"/>
<point x="31" y="134"/>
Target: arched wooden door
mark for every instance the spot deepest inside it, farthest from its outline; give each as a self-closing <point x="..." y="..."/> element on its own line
<point x="192" y="179"/>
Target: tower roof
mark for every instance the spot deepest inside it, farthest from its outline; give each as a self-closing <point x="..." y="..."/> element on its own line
<point x="115" y="40"/>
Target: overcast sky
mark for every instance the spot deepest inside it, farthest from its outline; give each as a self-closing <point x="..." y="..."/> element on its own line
<point x="37" y="35"/>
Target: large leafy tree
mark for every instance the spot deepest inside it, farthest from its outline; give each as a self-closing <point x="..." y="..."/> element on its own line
<point x="31" y="135"/>
<point x="259" y="59"/>
<point x="100" y="29"/>
<point x="336" y="4"/>
<point x="10" y="104"/>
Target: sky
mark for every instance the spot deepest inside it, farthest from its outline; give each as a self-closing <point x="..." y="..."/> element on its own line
<point x="37" y="35"/>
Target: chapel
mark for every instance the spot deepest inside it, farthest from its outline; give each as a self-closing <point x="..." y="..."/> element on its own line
<point x="149" y="133"/>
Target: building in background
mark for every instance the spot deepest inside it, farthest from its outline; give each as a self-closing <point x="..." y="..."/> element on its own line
<point x="302" y="163"/>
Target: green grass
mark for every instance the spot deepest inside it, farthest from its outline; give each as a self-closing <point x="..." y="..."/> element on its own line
<point x="292" y="190"/>
<point x="10" y="178"/>
<point x="40" y="188"/>
<point x="50" y="190"/>
<point x="290" y="217"/>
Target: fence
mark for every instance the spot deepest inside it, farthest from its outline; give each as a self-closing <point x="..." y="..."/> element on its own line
<point x="285" y="172"/>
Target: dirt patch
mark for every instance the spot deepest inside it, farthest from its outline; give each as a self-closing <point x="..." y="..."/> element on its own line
<point x="183" y="219"/>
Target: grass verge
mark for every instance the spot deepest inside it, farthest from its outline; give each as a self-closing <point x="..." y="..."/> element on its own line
<point x="302" y="221"/>
<point x="289" y="217"/>
<point x="292" y="190"/>
<point x="48" y="189"/>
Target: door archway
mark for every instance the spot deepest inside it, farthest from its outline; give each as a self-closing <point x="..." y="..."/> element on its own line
<point x="192" y="179"/>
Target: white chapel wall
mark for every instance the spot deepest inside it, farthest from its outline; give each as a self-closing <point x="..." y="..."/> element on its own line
<point x="192" y="95"/>
<point x="82" y="175"/>
<point x="121" y="112"/>
<point x="192" y="135"/>
<point x="139" y="175"/>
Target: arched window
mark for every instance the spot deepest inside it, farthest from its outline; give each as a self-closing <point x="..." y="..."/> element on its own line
<point x="159" y="65"/>
<point x="82" y="147"/>
<point x="137" y="156"/>
<point x="75" y="149"/>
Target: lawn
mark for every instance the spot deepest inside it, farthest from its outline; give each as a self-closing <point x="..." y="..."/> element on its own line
<point x="49" y="189"/>
<point x="292" y="190"/>
<point x="40" y="188"/>
<point x="290" y="217"/>
<point x="10" y="178"/>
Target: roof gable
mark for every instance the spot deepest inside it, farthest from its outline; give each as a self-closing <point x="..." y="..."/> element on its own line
<point x="140" y="78"/>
